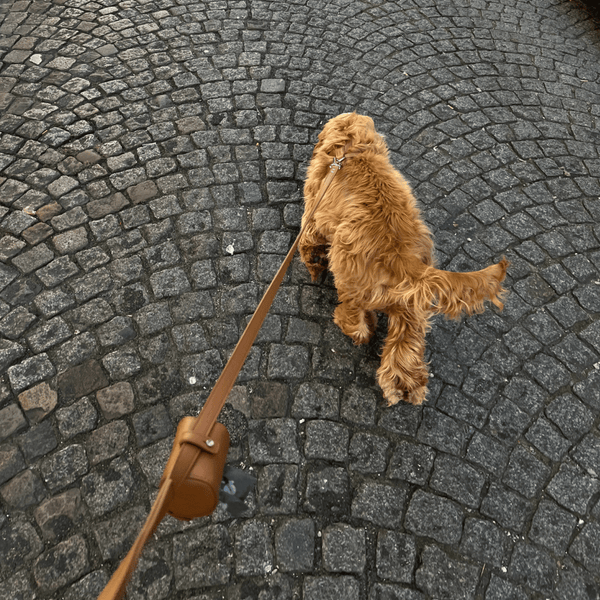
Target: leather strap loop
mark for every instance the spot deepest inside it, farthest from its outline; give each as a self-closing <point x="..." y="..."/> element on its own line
<point x="206" y="444"/>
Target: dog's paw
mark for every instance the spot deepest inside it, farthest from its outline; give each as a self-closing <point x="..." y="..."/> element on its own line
<point x="361" y="337"/>
<point x="358" y="325"/>
<point x="416" y="396"/>
<point x="315" y="269"/>
<point x="394" y="397"/>
<point x="365" y="329"/>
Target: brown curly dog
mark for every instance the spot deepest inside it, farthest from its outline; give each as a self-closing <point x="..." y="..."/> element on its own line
<point x="380" y="253"/>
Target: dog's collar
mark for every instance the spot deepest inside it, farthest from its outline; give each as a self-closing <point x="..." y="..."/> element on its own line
<point x="336" y="165"/>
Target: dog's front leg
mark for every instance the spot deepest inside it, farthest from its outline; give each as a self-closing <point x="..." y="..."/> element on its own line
<point x="313" y="250"/>
<point x="356" y="322"/>
<point x="403" y="373"/>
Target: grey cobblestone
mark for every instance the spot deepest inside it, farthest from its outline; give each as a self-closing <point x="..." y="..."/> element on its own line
<point x="49" y="570"/>
<point x="122" y="364"/>
<point x="344" y="549"/>
<point x="357" y="407"/>
<point x="273" y="440"/>
<point x="552" y="527"/>
<point x="327" y="492"/>
<point x="396" y="556"/>
<point x="586" y="546"/>
<point x="368" y="453"/>
<point x="107" y="442"/>
<point x="277" y="491"/>
<point x="572" y="488"/>
<point x="106" y="488"/>
<point x="34" y="259"/>
<point x="525" y="473"/>
<point x="170" y="282"/>
<point x="71" y="241"/>
<point x="486" y="542"/>
<point x="16" y="322"/>
<point x="547" y="439"/>
<point x="79" y="417"/>
<point x="7" y="274"/>
<point x="294" y="545"/>
<point x="442" y="432"/>
<point x="487" y="453"/>
<point x="57" y="271"/>
<point x="53" y="332"/>
<point x="9" y="352"/>
<point x="440" y="574"/>
<point x="53" y="302"/>
<point x="11" y="462"/>
<point x="210" y="567"/>
<point x="57" y="516"/>
<point x="326" y="440"/>
<point x="507" y="422"/>
<point x="151" y="425"/>
<point x="379" y="503"/>
<point x="454" y="478"/>
<point x="508" y="508"/>
<point x="500" y="588"/>
<point x="116" y="332"/>
<point x="412" y="463"/>
<point x="26" y="489"/>
<point x="30" y="371"/>
<point x="63" y="467"/>
<point x="532" y="567"/>
<point x="331" y="587"/>
<point x="253" y="549"/>
<point x="21" y="542"/>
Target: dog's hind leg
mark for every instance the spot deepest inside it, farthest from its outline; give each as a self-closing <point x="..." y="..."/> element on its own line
<point x="403" y="373"/>
<point x="356" y="322"/>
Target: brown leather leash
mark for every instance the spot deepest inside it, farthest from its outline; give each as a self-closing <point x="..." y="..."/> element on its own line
<point x="205" y="434"/>
<point x="217" y="398"/>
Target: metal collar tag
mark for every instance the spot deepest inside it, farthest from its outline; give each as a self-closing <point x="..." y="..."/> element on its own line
<point x="336" y="165"/>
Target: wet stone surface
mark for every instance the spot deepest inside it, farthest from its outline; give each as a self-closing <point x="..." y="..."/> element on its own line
<point x="152" y="159"/>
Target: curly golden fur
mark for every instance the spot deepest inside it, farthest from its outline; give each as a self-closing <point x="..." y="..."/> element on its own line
<point x="380" y="252"/>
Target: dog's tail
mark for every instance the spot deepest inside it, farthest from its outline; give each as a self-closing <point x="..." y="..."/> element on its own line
<point x="452" y="294"/>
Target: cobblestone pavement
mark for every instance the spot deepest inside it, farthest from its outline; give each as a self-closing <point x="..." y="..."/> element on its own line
<point x="152" y="155"/>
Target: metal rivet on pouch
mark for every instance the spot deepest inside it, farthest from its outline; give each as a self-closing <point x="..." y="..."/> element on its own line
<point x="210" y="443"/>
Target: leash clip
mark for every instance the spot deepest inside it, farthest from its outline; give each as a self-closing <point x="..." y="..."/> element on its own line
<point x="336" y="165"/>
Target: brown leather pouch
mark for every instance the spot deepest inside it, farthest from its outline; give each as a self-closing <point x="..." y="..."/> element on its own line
<point x="198" y="494"/>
